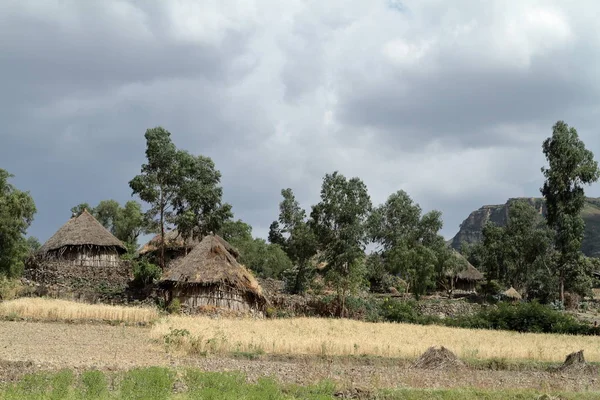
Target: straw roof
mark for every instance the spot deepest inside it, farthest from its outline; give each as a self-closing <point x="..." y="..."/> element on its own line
<point x="174" y="240"/>
<point x="82" y="230"/>
<point x="470" y="273"/>
<point x="512" y="294"/>
<point x="211" y="262"/>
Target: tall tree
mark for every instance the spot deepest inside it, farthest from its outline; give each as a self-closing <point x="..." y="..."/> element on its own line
<point x="198" y="199"/>
<point x="571" y="166"/>
<point x="410" y="243"/>
<point x="339" y="222"/>
<point x="293" y="233"/>
<point x="159" y="181"/>
<point x="16" y="214"/>
<point x="519" y="254"/>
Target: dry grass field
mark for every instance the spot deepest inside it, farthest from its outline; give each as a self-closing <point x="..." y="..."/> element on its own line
<point x="62" y="310"/>
<point x="47" y="340"/>
<point x="317" y="336"/>
<point x="312" y="336"/>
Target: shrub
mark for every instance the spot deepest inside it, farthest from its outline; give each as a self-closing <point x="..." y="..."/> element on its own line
<point x="174" y="306"/>
<point x="144" y="272"/>
<point x="523" y="317"/>
<point x="9" y="288"/>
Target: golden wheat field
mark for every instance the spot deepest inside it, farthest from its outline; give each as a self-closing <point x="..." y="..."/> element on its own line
<point x="62" y="310"/>
<point x="313" y="336"/>
<point x="347" y="337"/>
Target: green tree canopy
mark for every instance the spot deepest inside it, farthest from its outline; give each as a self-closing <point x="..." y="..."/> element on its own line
<point x="16" y="214"/>
<point x="570" y="167"/>
<point x="339" y="222"/>
<point x="519" y="254"/>
<point x="295" y="236"/>
<point x="409" y="242"/>
<point x="267" y="260"/>
<point x="181" y="189"/>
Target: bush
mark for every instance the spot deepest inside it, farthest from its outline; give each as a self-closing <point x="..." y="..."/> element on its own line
<point x="9" y="288"/>
<point x="144" y="272"/>
<point x="405" y="311"/>
<point x="523" y="317"/>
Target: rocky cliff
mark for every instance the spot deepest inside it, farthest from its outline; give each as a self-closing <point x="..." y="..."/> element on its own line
<point x="470" y="229"/>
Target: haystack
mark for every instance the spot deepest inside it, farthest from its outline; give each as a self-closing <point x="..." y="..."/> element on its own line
<point x="574" y="361"/>
<point x="211" y="276"/>
<point x="82" y="252"/>
<point x="440" y="358"/>
<point x="512" y="294"/>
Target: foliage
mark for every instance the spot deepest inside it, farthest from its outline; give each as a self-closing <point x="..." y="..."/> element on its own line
<point x="410" y="243"/>
<point x="33" y="244"/>
<point x="267" y="260"/>
<point x="519" y="254"/>
<point x="9" y="288"/>
<point x="339" y="222"/>
<point x="571" y="166"/>
<point x="295" y="236"/>
<point x="16" y="214"/>
<point x="144" y="272"/>
<point x="235" y="231"/>
<point x="181" y="189"/>
<point x="197" y="201"/>
<point x="523" y="317"/>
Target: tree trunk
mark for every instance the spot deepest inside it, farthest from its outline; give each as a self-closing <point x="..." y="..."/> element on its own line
<point x="162" y="231"/>
<point x="562" y="288"/>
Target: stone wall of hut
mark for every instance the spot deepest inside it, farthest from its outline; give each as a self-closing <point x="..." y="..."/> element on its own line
<point x="194" y="297"/>
<point x="87" y="272"/>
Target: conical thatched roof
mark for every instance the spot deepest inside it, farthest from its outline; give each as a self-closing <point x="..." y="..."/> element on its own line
<point x="83" y="230"/>
<point x="512" y="294"/>
<point x="211" y="262"/>
<point x="173" y="240"/>
<point x="470" y="273"/>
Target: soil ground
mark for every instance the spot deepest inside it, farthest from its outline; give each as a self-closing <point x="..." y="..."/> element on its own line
<point x="27" y="347"/>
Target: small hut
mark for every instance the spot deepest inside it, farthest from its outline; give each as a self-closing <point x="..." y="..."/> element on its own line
<point x="512" y="294"/>
<point x="175" y="247"/>
<point x="82" y="252"/>
<point x="466" y="279"/>
<point x="211" y="276"/>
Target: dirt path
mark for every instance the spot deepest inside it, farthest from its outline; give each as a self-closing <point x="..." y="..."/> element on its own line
<point x="27" y="347"/>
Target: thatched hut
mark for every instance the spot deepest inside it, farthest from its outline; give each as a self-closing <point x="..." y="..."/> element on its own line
<point x="465" y="279"/>
<point x="81" y="253"/>
<point x="512" y="294"/>
<point x="175" y="247"/>
<point x="211" y="276"/>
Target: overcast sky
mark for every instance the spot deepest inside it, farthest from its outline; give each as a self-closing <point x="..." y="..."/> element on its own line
<point x="449" y="101"/>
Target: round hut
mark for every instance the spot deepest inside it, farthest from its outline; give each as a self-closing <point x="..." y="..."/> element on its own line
<point x="211" y="276"/>
<point x="512" y="294"/>
<point x="175" y="247"/>
<point x="81" y="253"/>
<point x="466" y="279"/>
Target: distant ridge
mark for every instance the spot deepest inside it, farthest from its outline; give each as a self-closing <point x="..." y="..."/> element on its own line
<point x="470" y="230"/>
